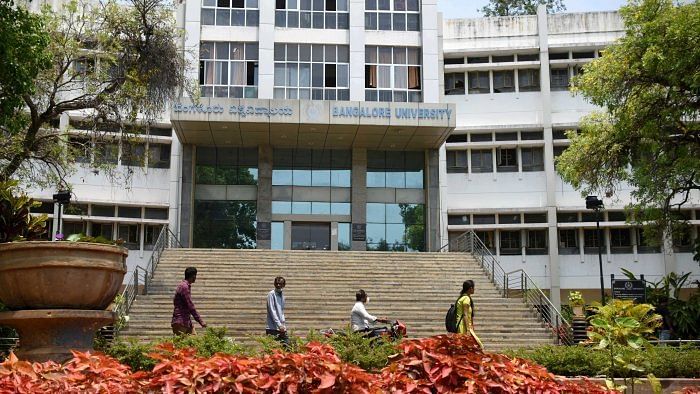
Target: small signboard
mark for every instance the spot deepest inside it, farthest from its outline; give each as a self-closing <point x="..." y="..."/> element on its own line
<point x="629" y="289"/>
<point x="359" y="231"/>
<point x="264" y="231"/>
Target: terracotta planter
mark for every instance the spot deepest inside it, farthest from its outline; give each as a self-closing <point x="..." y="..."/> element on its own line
<point x="60" y="275"/>
<point x="578" y="310"/>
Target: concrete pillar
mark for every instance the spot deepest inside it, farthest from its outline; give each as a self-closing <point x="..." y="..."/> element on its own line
<point x="266" y="48"/>
<point x="334" y="236"/>
<point x="430" y="48"/>
<point x="264" y="201"/>
<point x="357" y="50"/>
<point x="287" y="235"/>
<point x="432" y="190"/>
<point x="190" y="41"/>
<point x="187" y="197"/>
<point x="668" y="253"/>
<point x="550" y="173"/>
<point x="359" y="196"/>
<point x="175" y="186"/>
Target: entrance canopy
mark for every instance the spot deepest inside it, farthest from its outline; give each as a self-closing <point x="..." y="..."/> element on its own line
<point x="312" y="124"/>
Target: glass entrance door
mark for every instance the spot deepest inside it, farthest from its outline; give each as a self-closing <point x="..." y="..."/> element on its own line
<point x="311" y="236"/>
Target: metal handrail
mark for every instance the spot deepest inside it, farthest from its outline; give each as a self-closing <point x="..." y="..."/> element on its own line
<point x="517" y="282"/>
<point x="144" y="276"/>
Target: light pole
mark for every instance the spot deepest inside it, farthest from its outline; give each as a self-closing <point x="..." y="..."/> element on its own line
<point x="592" y="202"/>
<point x="62" y="197"/>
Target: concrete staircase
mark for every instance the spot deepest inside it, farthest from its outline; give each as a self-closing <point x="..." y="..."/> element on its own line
<point x="416" y="288"/>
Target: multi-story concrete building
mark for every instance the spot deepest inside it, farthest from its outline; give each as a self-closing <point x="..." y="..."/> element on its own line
<point x="322" y="125"/>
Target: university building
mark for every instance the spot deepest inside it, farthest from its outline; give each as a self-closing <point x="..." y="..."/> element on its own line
<point x="372" y="125"/>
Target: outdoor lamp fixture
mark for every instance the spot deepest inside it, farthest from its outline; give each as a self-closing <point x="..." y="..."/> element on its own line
<point x="62" y="197"/>
<point x="592" y="202"/>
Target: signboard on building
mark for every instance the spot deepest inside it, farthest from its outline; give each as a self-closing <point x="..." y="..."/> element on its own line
<point x="359" y="231"/>
<point x="629" y="289"/>
<point x="264" y="231"/>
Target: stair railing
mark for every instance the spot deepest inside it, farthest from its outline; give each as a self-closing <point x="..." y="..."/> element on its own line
<point x="142" y="278"/>
<point x="514" y="284"/>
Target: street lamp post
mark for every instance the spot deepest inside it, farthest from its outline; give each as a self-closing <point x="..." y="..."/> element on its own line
<point x="592" y="202"/>
<point x="62" y="197"/>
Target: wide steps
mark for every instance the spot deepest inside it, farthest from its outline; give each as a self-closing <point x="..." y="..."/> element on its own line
<point x="417" y="288"/>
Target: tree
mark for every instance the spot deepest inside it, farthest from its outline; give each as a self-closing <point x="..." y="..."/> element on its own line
<point x="648" y="137"/>
<point x="23" y="53"/>
<point x="116" y="64"/>
<point x="520" y="7"/>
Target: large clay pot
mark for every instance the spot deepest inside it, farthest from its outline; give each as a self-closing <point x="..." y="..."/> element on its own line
<point x="60" y="275"/>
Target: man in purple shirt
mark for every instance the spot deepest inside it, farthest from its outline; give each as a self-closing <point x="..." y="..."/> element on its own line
<point x="183" y="306"/>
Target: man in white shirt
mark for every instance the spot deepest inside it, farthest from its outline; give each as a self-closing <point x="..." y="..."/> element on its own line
<point x="360" y="320"/>
<point x="276" y="324"/>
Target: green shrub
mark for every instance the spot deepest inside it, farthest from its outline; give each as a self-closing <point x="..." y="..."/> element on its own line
<point x="132" y="353"/>
<point x="213" y="341"/>
<point x="369" y="354"/>
<point x="662" y="361"/>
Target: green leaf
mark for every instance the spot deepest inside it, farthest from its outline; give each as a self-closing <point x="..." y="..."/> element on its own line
<point x="627" y="322"/>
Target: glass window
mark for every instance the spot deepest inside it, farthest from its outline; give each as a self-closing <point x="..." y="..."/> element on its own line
<point x="536" y="242"/>
<point x="158" y="155"/>
<point x="535" y="218"/>
<point x="510" y="242"/>
<point x="392" y="74"/>
<point x="506" y="160"/>
<point x="305" y="167"/>
<point x="479" y="82"/>
<point x="105" y="230"/>
<point x="151" y="234"/>
<point x="503" y="81"/>
<point x="129" y="233"/>
<point x="531" y="135"/>
<point x="620" y="240"/>
<point x="482" y="160"/>
<point x="533" y="159"/>
<point x="70" y="228"/>
<point x="404" y="13"/>
<point x="529" y="57"/>
<point x="457" y="161"/>
<point x="559" y="78"/>
<point x="226" y="166"/>
<point x="328" y="14"/>
<point x="591" y="241"/>
<point x="102" y="210"/>
<point x="233" y="74"/>
<point x="224" y="224"/>
<point x="511" y="218"/>
<point x="484" y="219"/>
<point x="395" y="227"/>
<point x="454" y="83"/>
<point x="130" y="212"/>
<point x="568" y="241"/>
<point x="529" y="80"/>
<point x="458" y="219"/>
<point x="156" y="213"/>
<point x="395" y="169"/>
<point x="344" y="241"/>
<point x="277" y="236"/>
<point x="298" y="67"/>
<point x="230" y="13"/>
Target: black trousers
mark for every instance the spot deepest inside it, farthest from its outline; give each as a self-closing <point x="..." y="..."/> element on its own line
<point x="281" y="336"/>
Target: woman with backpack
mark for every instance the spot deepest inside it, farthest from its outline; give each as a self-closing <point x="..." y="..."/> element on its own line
<point x="465" y="311"/>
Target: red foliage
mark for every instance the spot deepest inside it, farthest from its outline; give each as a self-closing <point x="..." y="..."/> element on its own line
<point x="456" y="364"/>
<point x="442" y="364"/>
<point x="690" y="390"/>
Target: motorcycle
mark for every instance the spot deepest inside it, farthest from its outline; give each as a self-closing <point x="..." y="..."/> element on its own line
<point x="392" y="331"/>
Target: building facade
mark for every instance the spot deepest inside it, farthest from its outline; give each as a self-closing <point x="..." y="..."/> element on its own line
<point x="372" y="125"/>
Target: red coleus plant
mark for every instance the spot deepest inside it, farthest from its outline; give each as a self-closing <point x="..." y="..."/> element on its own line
<point x="442" y="364"/>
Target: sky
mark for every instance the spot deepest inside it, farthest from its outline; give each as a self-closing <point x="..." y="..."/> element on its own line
<point x="468" y="8"/>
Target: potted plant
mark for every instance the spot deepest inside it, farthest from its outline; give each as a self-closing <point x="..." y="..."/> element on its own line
<point x="52" y="275"/>
<point x="576" y="302"/>
<point x="56" y="292"/>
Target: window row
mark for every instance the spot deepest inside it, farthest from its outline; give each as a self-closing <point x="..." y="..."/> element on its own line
<point x="560" y="77"/>
<point x="395" y="169"/>
<point x="121" y="211"/>
<point x="127" y="233"/>
<point x="230" y="12"/>
<point x="228" y="69"/>
<point x="317" y="72"/>
<point x="393" y="74"/>
<point x="501" y="81"/>
<point x="304" y="167"/>
<point x="520" y="57"/>
<point x="562" y="217"/>
<point x="226" y="166"/>
<point x="499" y="136"/>
<point x="316" y="14"/>
<point x="474" y="161"/>
<point x="397" y="15"/>
<point x="118" y="152"/>
<point x="311" y="208"/>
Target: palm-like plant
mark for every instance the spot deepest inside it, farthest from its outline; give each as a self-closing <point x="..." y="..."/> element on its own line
<point x="16" y="223"/>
